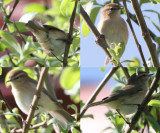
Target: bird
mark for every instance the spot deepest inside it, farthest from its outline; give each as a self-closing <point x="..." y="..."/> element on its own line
<point x="24" y="89"/>
<point x="113" y="26"/>
<point x="127" y="99"/>
<point x="51" y="39"/>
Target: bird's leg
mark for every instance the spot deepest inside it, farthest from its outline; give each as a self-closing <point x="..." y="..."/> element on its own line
<point x="100" y="37"/>
<point x="123" y="117"/>
<point x="51" y="50"/>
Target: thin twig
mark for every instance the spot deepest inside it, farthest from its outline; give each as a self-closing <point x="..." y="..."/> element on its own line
<point x="135" y="20"/>
<point x="146" y="100"/>
<point x="42" y="124"/>
<point x="69" y="42"/>
<point x="19" y="33"/>
<point x="98" y="89"/>
<point x="145" y="33"/>
<point x="10" y="58"/>
<point x="10" y="109"/>
<point x="14" y="6"/>
<point x="35" y="99"/>
<point x="135" y="38"/>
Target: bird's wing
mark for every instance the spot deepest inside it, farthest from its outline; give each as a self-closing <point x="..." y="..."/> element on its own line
<point x="46" y="92"/>
<point x="128" y="90"/>
<point x="49" y="27"/>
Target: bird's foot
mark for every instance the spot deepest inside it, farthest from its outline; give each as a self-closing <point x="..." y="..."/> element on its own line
<point x="99" y="38"/>
<point x="123" y="117"/>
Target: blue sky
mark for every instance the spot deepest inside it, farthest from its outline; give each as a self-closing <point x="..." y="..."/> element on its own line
<point x="93" y="56"/>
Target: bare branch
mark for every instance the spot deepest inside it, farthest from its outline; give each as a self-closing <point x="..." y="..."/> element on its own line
<point x="14" y="6"/>
<point x="145" y="33"/>
<point x="42" y="124"/>
<point x="100" y="40"/>
<point x="134" y="36"/>
<point x="35" y="99"/>
<point x="67" y="47"/>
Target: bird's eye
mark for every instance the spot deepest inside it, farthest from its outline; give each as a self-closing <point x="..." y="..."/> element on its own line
<point x="111" y="9"/>
<point x="16" y="78"/>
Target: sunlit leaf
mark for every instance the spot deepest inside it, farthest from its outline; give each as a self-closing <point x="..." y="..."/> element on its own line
<point x="28" y="16"/>
<point x="69" y="77"/>
<point x="10" y="42"/>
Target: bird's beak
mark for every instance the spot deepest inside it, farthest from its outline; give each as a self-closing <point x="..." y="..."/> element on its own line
<point x="120" y="7"/>
<point x="150" y="74"/>
<point x="9" y="80"/>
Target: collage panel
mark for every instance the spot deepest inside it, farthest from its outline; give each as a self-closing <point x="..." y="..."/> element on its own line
<point x="112" y="100"/>
<point x="57" y="95"/>
<point x="130" y="28"/>
<point x="40" y="33"/>
<point x="79" y="66"/>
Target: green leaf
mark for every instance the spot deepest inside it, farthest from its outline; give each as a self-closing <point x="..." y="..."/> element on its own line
<point x="119" y="49"/>
<point x="102" y="69"/>
<point x="155" y="103"/>
<point x="74" y="107"/>
<point x="35" y="7"/>
<point x="157" y="27"/>
<point x="19" y="25"/>
<point x="155" y="125"/>
<point x="74" y="130"/>
<point x="67" y="7"/>
<point x="93" y="15"/>
<point x="157" y="39"/>
<point x="28" y="16"/>
<point x="127" y="61"/>
<point x="2" y="47"/>
<point x="144" y="1"/>
<point x="136" y="63"/>
<point x="0" y="70"/>
<point x="10" y="42"/>
<point x="6" y="2"/>
<point x="114" y="56"/>
<point x="117" y="121"/>
<point x="88" y="116"/>
<point x="69" y="77"/>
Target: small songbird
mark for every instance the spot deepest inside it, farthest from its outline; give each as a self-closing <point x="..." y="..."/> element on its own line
<point x="112" y="26"/>
<point x="23" y="90"/>
<point x="51" y="39"/>
<point x="127" y="99"/>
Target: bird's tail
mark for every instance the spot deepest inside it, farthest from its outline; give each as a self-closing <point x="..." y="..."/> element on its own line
<point x="95" y="104"/>
<point x="63" y="118"/>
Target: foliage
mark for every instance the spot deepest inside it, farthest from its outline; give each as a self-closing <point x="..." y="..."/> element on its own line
<point x="24" y="48"/>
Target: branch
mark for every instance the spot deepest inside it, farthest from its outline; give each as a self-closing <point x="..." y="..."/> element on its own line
<point x="35" y="100"/>
<point x="98" y="89"/>
<point x="10" y="109"/>
<point x="99" y="40"/>
<point x="14" y="6"/>
<point x="10" y="58"/>
<point x="135" y="20"/>
<point x="146" y="100"/>
<point x="134" y="36"/>
<point x="67" y="47"/>
<point x="145" y="33"/>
